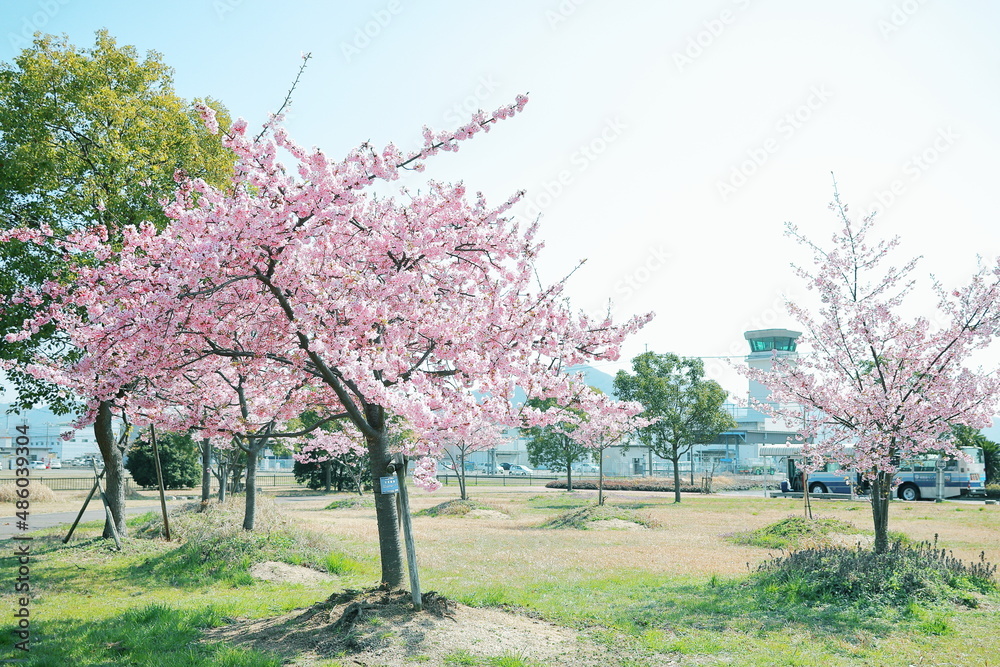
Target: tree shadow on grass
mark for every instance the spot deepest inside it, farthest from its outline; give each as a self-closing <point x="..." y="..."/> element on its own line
<point x="154" y="636"/>
<point x="742" y="606"/>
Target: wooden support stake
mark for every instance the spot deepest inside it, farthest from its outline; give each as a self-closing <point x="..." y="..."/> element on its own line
<point x="83" y="509"/>
<point x="107" y="509"/>
<point x="159" y="479"/>
<point x="411" y="551"/>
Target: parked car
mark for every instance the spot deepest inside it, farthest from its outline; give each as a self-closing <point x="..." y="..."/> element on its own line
<point x="55" y="463"/>
<point x="38" y="465"/>
<point x="520" y="470"/>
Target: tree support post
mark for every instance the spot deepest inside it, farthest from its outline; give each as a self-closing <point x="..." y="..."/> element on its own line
<point x="159" y="479"/>
<point x="83" y="509"/>
<point x="411" y="551"/>
<point x="107" y="508"/>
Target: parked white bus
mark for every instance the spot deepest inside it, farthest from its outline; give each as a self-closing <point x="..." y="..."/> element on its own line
<point x="916" y="479"/>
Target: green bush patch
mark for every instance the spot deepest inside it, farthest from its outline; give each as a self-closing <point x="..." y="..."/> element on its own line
<point x="459" y="508"/>
<point x="648" y="484"/>
<point x="903" y="574"/>
<point x="352" y="503"/>
<point x="795" y="533"/>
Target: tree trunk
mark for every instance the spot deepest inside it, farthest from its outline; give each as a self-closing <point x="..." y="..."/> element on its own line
<point x="328" y="475"/>
<point x="881" y="493"/>
<point x="390" y="548"/>
<point x="223" y="480"/>
<point x="114" y="467"/>
<point x="600" y="481"/>
<point x="569" y="466"/>
<point x="206" y="471"/>
<point x="250" y="511"/>
<point x="462" y="489"/>
<point x="676" y="459"/>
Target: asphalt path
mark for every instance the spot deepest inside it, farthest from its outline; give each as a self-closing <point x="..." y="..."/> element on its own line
<point x="95" y="512"/>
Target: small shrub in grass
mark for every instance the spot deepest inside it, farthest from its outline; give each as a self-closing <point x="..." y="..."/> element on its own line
<point x="993" y="490"/>
<point x="581" y="518"/>
<point x="352" y="503"/>
<point x="626" y="484"/>
<point x="458" y="508"/>
<point x="37" y="493"/>
<point x="216" y="548"/>
<point x="901" y="575"/>
<point x="794" y="533"/>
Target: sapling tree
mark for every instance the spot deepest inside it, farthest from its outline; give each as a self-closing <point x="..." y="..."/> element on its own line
<point x="336" y="445"/>
<point x="464" y="439"/>
<point x="683" y="407"/>
<point x="325" y="296"/>
<point x="881" y="388"/>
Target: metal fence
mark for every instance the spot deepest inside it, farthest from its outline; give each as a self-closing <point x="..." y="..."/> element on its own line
<point x="60" y="483"/>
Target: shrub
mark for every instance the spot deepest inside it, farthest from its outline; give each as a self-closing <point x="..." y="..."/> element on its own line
<point x="179" y="461"/>
<point x="904" y="573"/>
<point x="624" y="484"/>
<point x="794" y="533"/>
<point x="37" y="493"/>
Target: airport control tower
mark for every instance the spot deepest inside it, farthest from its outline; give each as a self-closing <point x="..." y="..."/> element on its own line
<point x="763" y="344"/>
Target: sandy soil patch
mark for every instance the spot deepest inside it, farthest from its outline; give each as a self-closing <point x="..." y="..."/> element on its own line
<point x="380" y="628"/>
<point x="615" y="524"/>
<point x="289" y="574"/>
<point x="486" y="514"/>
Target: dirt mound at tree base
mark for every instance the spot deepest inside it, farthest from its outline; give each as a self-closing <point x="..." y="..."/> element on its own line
<point x="379" y="627"/>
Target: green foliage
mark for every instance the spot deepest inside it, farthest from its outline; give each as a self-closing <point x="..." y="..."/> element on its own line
<point x="314" y="474"/>
<point x="674" y="391"/>
<point x="794" y="533"/>
<point x="897" y="577"/>
<point x="966" y="436"/>
<point x="352" y="503"/>
<point x="180" y="461"/>
<point x="552" y="447"/>
<point x="215" y="548"/>
<point x="87" y="136"/>
<point x="457" y="508"/>
<point x="155" y="635"/>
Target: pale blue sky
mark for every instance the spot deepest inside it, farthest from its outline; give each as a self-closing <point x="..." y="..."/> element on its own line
<point x="670" y="99"/>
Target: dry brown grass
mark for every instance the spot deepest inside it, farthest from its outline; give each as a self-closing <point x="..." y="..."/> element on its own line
<point x="690" y="539"/>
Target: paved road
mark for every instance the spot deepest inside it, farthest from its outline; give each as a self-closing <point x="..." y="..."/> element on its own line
<point x="8" y="524"/>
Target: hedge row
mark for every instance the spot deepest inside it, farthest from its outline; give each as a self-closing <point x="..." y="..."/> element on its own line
<point x="624" y="485"/>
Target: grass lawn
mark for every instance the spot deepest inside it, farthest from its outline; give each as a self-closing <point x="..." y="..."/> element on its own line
<point x="675" y="590"/>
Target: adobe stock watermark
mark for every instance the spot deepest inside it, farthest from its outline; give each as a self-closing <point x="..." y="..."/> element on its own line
<point x="633" y="281"/>
<point x="774" y="316"/>
<point x="223" y="7"/>
<point x="899" y="16"/>
<point x="711" y="30"/>
<point x="366" y="34"/>
<point x="581" y="159"/>
<point x="784" y="129"/>
<point x="35" y="22"/>
<point x="21" y="543"/>
<point x="462" y="111"/>
<point x="562" y="12"/>
<point x="912" y="170"/>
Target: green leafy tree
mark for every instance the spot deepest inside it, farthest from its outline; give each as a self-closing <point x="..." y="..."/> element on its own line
<point x="179" y="461"/>
<point x="88" y="136"/>
<point x="687" y="407"/>
<point x="552" y="447"/>
<point x="966" y="436"/>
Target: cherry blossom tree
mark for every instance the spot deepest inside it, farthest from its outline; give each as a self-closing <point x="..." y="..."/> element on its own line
<point x="333" y="446"/>
<point x="300" y="289"/>
<point x="874" y="383"/>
